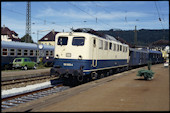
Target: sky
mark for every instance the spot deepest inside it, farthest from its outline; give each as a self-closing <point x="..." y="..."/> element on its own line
<point x="98" y="15"/>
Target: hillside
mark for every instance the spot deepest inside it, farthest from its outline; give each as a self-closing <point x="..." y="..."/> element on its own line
<point x="144" y="36"/>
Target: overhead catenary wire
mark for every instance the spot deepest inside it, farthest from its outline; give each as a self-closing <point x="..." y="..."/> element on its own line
<point x="89" y="14"/>
<point x="159" y="15"/>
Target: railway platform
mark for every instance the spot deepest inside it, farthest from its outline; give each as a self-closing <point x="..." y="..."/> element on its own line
<point x="120" y="92"/>
<point x="13" y="75"/>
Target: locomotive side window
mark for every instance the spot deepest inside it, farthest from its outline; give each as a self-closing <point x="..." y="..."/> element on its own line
<point x="19" y="52"/>
<point x="117" y="47"/>
<point x="94" y="42"/>
<point x="78" y="41"/>
<point x="62" y="40"/>
<point x="100" y="44"/>
<point x="120" y="47"/>
<point x="110" y="46"/>
<point x="114" y="48"/>
<point x="106" y="45"/>
<point x="12" y="52"/>
<point x="4" y="52"/>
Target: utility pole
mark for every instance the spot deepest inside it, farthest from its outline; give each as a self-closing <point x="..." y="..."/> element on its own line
<point x="28" y="22"/>
<point x="135" y="37"/>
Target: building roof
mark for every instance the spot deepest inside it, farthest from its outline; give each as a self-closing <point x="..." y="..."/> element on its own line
<point x="7" y="31"/>
<point x="160" y="43"/>
<point x="49" y="37"/>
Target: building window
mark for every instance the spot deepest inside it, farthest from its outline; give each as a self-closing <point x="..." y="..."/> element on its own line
<point x="45" y="38"/>
<point x="4" y="52"/>
<point x="19" y="52"/>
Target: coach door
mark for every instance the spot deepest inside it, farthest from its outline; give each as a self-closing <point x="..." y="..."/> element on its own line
<point x="94" y="53"/>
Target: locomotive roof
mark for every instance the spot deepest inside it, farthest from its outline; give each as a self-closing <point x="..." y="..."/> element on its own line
<point x="91" y="31"/>
<point x="11" y="44"/>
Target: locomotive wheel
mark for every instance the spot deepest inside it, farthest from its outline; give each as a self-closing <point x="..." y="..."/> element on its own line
<point x="94" y="75"/>
<point x="101" y="75"/>
<point x="80" y="78"/>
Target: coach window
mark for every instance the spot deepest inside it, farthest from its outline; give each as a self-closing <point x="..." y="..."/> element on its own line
<point x="51" y="53"/>
<point x="36" y="52"/>
<point x="47" y="53"/>
<point x="12" y="52"/>
<point x="106" y="45"/>
<point x="110" y="46"/>
<point x="4" y="52"/>
<point x="19" y="52"/>
<point x="31" y="53"/>
<point x="25" y="52"/>
<point x="100" y="44"/>
<point x="62" y="40"/>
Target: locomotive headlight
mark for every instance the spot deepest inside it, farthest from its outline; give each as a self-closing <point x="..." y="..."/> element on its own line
<point x="57" y="56"/>
<point x="80" y="57"/>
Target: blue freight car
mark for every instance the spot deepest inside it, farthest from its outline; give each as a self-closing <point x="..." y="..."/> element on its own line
<point x="155" y="57"/>
<point x="138" y="57"/>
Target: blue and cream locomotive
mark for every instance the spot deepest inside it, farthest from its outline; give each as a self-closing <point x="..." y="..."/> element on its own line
<point x="85" y="54"/>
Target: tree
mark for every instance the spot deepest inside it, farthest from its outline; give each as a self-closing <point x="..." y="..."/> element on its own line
<point x="27" y="40"/>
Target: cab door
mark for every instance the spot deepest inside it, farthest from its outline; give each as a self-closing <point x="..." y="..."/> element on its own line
<point x="94" y="52"/>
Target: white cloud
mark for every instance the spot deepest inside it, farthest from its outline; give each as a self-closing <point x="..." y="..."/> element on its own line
<point x="70" y="13"/>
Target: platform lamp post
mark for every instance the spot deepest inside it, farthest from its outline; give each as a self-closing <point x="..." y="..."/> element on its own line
<point x="40" y="46"/>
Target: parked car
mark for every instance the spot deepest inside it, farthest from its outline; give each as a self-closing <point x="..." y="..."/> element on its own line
<point x="23" y="63"/>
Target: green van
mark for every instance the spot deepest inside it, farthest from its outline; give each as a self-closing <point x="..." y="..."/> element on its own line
<point x="23" y="63"/>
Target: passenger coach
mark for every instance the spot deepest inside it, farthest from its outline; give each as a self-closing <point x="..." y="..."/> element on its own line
<point x="12" y="50"/>
<point x="84" y="54"/>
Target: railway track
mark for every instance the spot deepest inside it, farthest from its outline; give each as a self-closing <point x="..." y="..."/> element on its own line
<point x="15" y="100"/>
<point x="24" y="80"/>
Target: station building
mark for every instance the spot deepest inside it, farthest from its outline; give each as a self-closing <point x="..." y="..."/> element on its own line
<point x="48" y="39"/>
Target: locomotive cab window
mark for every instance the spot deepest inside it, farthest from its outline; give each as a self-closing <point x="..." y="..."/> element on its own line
<point x="62" y="40"/>
<point x="78" y="41"/>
